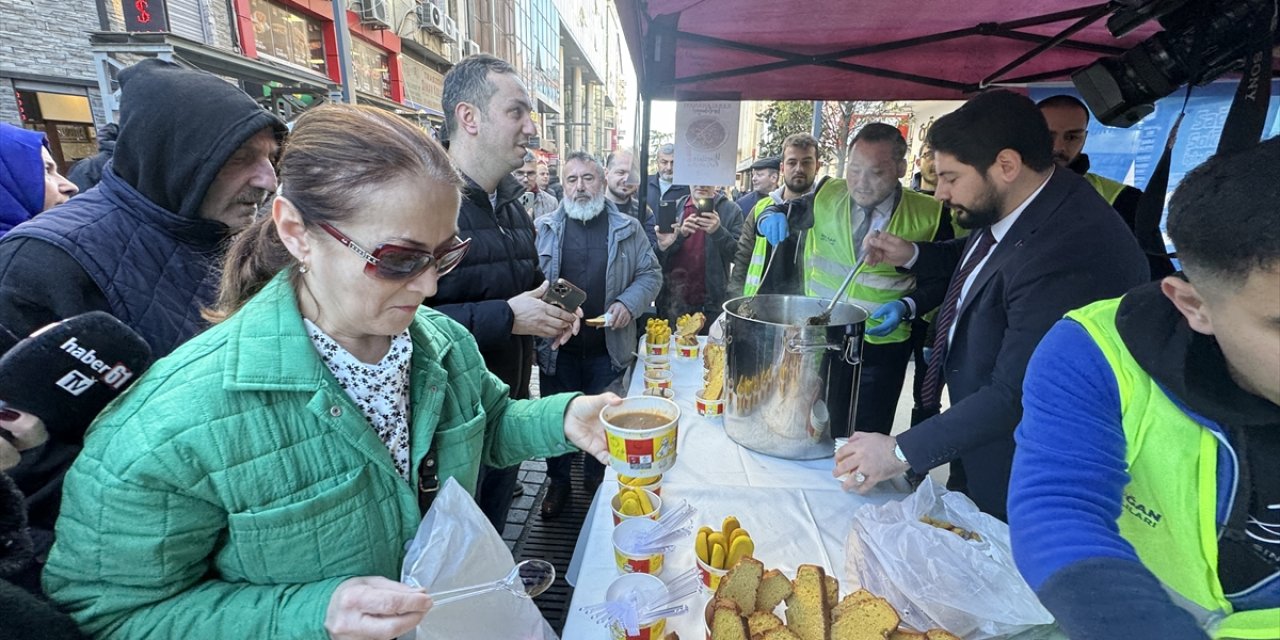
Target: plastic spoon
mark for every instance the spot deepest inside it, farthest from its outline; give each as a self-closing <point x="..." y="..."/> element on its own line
<point x="527" y="579"/>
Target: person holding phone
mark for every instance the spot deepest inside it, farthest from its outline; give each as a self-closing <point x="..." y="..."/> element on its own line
<point x="589" y="243"/>
<point x="696" y="255"/>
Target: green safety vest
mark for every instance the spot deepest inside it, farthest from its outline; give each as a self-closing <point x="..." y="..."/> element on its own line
<point x="829" y="252"/>
<point x="1107" y="188"/>
<point x="1170" y="504"/>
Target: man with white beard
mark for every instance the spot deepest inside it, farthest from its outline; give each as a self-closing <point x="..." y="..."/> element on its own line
<point x="604" y="252"/>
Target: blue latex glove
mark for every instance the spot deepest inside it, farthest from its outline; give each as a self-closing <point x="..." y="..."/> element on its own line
<point x="890" y="316"/>
<point x="773" y="226"/>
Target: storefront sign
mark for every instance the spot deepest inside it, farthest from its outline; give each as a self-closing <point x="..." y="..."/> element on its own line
<point x="145" y="15"/>
<point x="422" y="84"/>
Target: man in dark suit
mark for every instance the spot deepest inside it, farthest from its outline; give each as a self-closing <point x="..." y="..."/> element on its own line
<point x="1043" y="242"/>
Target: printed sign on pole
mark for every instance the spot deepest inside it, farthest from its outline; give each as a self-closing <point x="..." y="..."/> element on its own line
<point x="706" y="142"/>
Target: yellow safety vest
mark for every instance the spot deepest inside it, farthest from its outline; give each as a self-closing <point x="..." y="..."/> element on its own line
<point x="755" y="268"/>
<point x="1107" y="188"/>
<point x="1170" y="504"/>
<point x="829" y="252"/>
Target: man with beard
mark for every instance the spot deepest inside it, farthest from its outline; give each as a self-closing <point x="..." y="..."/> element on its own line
<point x="764" y="179"/>
<point x="926" y="178"/>
<point x="622" y="184"/>
<point x="661" y="188"/>
<point x="1043" y="243"/>
<point x="800" y="164"/>
<point x="590" y="243"/>
<point x="696" y="255"/>
<point x="145" y="245"/>
<point x="1068" y="121"/>
<point x="496" y="293"/>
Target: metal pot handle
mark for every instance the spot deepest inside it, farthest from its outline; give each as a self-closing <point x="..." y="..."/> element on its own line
<point x="849" y="348"/>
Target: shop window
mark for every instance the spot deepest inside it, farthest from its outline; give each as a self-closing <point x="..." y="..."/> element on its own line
<point x="65" y="120"/>
<point x="289" y="36"/>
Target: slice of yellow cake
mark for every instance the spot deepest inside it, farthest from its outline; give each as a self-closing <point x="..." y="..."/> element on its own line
<point x="807" y="607"/>
<point x="741" y="584"/>
<point x="871" y="619"/>
<point x="762" y="621"/>
<point x="774" y="588"/>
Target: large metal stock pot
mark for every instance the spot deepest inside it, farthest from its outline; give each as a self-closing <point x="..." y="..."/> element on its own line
<point x="791" y="385"/>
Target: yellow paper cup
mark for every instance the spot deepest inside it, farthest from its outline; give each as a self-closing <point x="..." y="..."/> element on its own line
<point x="709" y="576"/>
<point x="650" y="589"/>
<point x="656" y="392"/>
<point x="619" y="516"/>
<point x="708" y="408"/>
<point x="641" y="453"/>
<point x="661" y="349"/>
<point x="625" y="557"/>
<point x="653" y="483"/>
<point x="658" y="379"/>
<point x="688" y="350"/>
<point x="657" y="363"/>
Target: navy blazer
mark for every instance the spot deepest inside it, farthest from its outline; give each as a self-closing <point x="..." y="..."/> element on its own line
<point x="1066" y="250"/>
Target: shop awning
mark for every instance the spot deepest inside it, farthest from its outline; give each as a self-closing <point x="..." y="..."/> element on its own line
<point x="841" y="50"/>
<point x="211" y="59"/>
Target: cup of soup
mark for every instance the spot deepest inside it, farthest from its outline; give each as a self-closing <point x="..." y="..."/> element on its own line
<point x="641" y="432"/>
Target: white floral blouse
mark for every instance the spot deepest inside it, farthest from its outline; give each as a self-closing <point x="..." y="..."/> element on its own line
<point x="380" y="390"/>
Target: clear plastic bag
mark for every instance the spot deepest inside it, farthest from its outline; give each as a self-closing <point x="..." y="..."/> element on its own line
<point x="936" y="578"/>
<point x="457" y="547"/>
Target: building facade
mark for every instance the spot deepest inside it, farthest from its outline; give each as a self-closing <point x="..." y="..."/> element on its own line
<point x="59" y="58"/>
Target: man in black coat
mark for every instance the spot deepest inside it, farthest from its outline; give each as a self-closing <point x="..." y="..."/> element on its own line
<point x="1043" y="242"/>
<point x="496" y="292"/>
<point x="193" y="163"/>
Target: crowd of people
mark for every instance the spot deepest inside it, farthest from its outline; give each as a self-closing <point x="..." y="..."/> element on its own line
<point x="345" y="313"/>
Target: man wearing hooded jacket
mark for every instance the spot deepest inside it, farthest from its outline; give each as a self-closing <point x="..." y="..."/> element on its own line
<point x="192" y="164"/>
<point x="1144" y="501"/>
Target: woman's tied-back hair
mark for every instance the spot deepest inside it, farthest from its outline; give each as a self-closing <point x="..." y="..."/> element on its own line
<point x="337" y="157"/>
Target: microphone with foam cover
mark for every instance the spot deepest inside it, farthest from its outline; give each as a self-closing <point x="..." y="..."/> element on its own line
<point x="67" y="372"/>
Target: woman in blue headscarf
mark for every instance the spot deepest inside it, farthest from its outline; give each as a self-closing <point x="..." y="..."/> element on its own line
<point x="29" y="178"/>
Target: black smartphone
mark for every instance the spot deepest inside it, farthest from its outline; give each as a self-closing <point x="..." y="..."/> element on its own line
<point x="666" y="217"/>
<point x="565" y="295"/>
<point x="704" y="205"/>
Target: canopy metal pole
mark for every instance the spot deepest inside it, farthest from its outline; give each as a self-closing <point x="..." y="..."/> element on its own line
<point x="817" y="119"/>
<point x="643" y="190"/>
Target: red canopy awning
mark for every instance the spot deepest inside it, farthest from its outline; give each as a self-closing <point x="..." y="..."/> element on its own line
<point x="849" y="50"/>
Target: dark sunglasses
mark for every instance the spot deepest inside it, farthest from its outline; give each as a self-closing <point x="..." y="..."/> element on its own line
<point x="393" y="262"/>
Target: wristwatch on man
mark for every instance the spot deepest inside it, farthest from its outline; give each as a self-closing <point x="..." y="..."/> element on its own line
<point x="897" y="452"/>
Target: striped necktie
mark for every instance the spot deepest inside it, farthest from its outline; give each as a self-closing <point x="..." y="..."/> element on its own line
<point x="931" y="389"/>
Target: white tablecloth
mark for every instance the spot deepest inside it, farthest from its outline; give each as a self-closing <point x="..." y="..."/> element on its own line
<point x="794" y="510"/>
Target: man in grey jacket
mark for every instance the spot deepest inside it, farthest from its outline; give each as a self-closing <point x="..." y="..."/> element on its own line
<point x="589" y="243"/>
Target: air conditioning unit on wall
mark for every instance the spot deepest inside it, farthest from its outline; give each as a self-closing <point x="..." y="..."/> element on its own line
<point x="450" y="32"/>
<point x="431" y="18"/>
<point x="375" y="14"/>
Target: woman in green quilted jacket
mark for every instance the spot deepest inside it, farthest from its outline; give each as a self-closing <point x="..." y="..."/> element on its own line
<point x="262" y="480"/>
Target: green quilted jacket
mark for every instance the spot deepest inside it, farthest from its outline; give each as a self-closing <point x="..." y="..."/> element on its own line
<point x="235" y="485"/>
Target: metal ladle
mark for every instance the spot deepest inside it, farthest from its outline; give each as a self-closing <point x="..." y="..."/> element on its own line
<point x="824" y="318"/>
<point x="527" y="579"/>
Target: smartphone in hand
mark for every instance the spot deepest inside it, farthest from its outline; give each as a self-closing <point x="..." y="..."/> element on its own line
<point x="565" y="295"/>
<point x="667" y="217"/>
